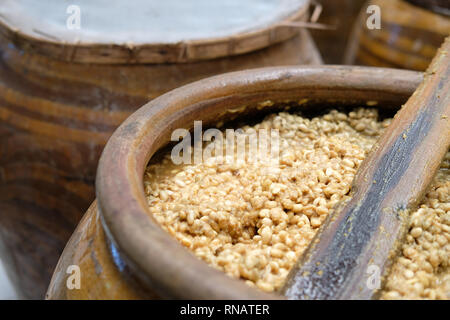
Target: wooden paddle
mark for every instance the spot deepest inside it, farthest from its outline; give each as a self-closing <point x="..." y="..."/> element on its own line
<point x="359" y="240"/>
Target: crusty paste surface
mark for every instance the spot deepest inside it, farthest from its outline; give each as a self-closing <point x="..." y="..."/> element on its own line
<point x="422" y="270"/>
<point x="253" y="220"/>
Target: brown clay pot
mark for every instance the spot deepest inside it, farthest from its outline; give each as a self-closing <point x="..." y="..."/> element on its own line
<point x="57" y="110"/>
<point x="411" y="33"/>
<point x="118" y="245"/>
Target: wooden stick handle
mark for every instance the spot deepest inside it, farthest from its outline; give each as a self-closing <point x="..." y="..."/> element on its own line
<point x="312" y="23"/>
<point x="364" y="234"/>
<point x="307" y="25"/>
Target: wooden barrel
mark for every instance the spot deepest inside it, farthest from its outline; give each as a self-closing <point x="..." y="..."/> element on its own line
<point x="136" y="256"/>
<point x="69" y="75"/>
<point x="410" y="34"/>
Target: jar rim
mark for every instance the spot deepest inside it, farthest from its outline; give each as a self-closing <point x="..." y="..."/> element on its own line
<point x="155" y="256"/>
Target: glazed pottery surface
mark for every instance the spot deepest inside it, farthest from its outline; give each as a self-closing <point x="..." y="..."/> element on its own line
<point x="118" y="244"/>
<point x="61" y="101"/>
<point x="408" y="38"/>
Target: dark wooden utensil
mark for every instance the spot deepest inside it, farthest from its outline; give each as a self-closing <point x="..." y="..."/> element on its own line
<point x="363" y="235"/>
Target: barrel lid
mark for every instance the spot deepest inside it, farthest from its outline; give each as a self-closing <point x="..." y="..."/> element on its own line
<point x="147" y="31"/>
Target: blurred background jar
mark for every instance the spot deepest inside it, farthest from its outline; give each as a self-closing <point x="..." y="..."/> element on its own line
<point x="410" y="34"/>
<point x="340" y="16"/>
<point x="70" y="74"/>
